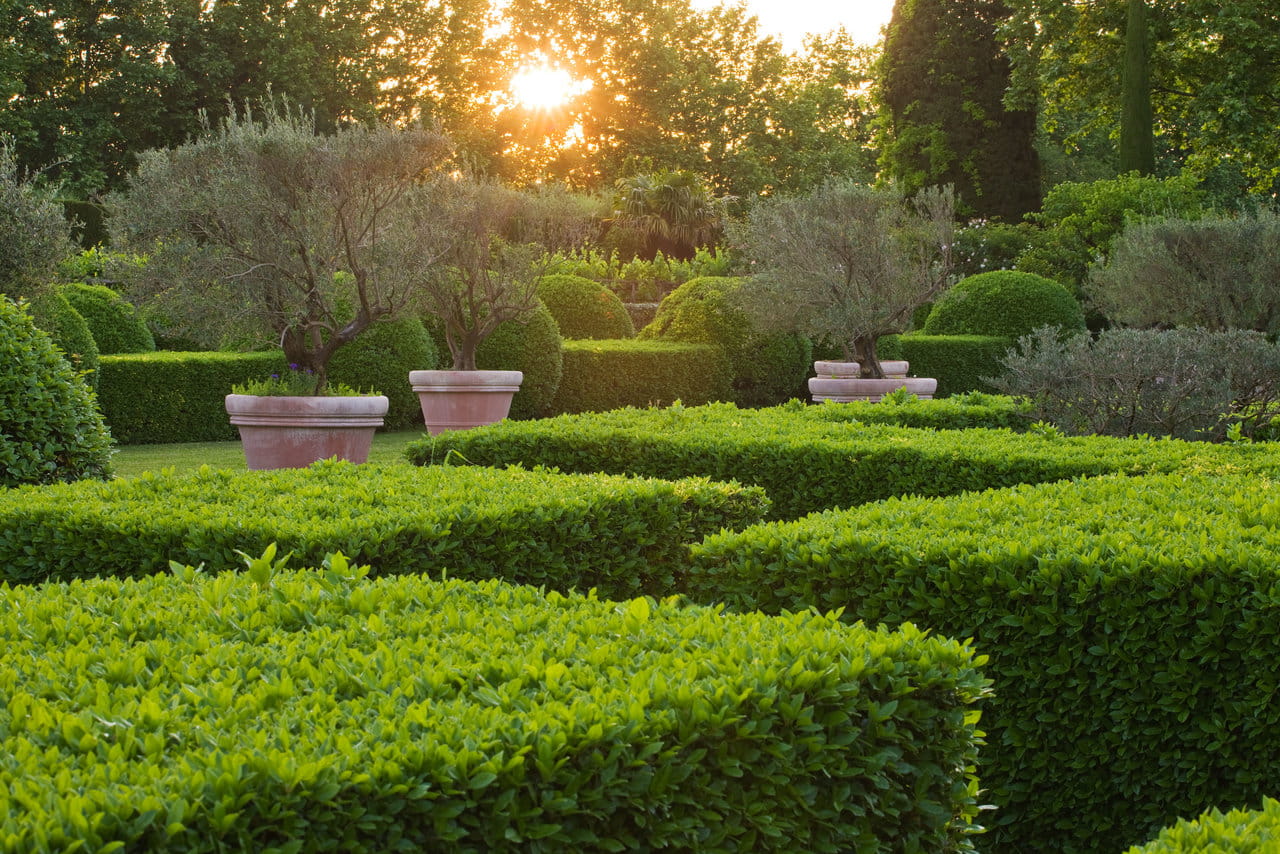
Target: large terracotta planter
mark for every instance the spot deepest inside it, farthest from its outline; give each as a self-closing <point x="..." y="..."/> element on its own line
<point x="294" y="432"/>
<point x="460" y="400"/>
<point x="839" y="382"/>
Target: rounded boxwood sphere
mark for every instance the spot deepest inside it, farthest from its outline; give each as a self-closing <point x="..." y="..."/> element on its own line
<point x="1004" y="302"/>
<point x="51" y="312"/>
<point x="50" y="426"/>
<point x="114" y="323"/>
<point x="768" y="367"/>
<point x="380" y="359"/>
<point x="585" y="309"/>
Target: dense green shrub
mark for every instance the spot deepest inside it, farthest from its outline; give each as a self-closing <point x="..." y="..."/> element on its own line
<point x="982" y="246"/>
<point x="1131" y="625"/>
<point x="618" y="535"/>
<point x="584" y="309"/>
<point x="603" y="375"/>
<point x="317" y="710"/>
<point x="533" y="347"/>
<point x="50" y="427"/>
<point x="1236" y="832"/>
<point x="149" y="398"/>
<point x="1004" y="302"/>
<point x="638" y="279"/>
<point x="1186" y="383"/>
<point x="53" y="314"/>
<point x="960" y="363"/>
<point x="1219" y="273"/>
<point x="115" y="324"/>
<point x="381" y="359"/>
<point x="768" y="367"/>
<point x="804" y="463"/>
<point x="957" y="412"/>
<point x="34" y="235"/>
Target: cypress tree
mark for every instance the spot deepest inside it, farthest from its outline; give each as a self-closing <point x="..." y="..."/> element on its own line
<point x="943" y="76"/>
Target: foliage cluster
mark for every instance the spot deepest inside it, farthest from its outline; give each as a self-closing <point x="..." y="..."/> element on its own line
<point x="1238" y="831"/>
<point x="1004" y="302"/>
<point x="769" y="366"/>
<point x="50" y="427"/>
<point x="115" y="324"/>
<point x="282" y="710"/>
<point x="1187" y="383"/>
<point x="584" y="309"/>
<point x="1217" y="272"/>
<point x="958" y="412"/>
<point x="1117" y="651"/>
<point x="619" y="535"/>
<point x="638" y="279"/>
<point x="804" y="463"/>
<point x="960" y="363"/>
<point x="381" y="359"/>
<point x="604" y="375"/>
<point x="34" y="236"/>
<point x="982" y="246"/>
<point x="53" y="314"/>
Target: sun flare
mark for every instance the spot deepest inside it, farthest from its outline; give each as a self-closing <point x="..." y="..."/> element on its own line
<point x="542" y="87"/>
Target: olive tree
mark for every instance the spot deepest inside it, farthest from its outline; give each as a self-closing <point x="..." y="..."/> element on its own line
<point x="34" y="236"/>
<point x="848" y="262"/>
<point x="264" y="232"/>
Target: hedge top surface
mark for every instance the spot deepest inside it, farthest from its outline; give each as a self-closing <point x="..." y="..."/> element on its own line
<point x="325" y="709"/>
<point x="1004" y="302"/>
<point x="1239" y="831"/>
<point x="585" y="309"/>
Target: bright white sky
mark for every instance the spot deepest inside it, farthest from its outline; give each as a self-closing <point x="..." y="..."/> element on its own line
<point x="792" y="19"/>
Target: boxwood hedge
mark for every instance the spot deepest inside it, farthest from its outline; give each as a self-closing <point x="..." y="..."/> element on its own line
<point x="805" y="462"/>
<point x="617" y="534"/>
<point x="319" y="711"/>
<point x="1132" y="624"/>
<point x="1236" y="832"/>
<point x="612" y="374"/>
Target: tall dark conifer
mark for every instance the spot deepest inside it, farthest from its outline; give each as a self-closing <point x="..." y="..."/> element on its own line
<point x="942" y="83"/>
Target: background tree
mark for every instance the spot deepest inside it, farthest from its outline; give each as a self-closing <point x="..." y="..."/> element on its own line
<point x="670" y="212"/>
<point x="34" y="236"/>
<point x="942" y="81"/>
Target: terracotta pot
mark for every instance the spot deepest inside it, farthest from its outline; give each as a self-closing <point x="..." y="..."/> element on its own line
<point x="294" y="432"/>
<point x="891" y="368"/>
<point x="460" y="400"/>
<point x="848" y="389"/>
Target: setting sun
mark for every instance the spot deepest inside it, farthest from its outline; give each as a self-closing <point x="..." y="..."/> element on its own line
<point x="542" y="87"/>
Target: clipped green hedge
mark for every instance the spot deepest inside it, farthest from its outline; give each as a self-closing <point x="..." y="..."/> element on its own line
<point x="115" y="324"/>
<point x="615" y="534"/>
<point x="1004" y="302"/>
<point x="958" y="362"/>
<point x="54" y="315"/>
<point x="316" y="710"/>
<point x="149" y="398"/>
<point x="381" y="358"/>
<point x="584" y="309"/>
<point x="1131" y="625"/>
<point x="603" y="375"/>
<point x="1215" y="832"/>
<point x="804" y="462"/>
<point x="957" y="412"/>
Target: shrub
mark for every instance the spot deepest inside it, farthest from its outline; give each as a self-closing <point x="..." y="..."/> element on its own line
<point x="584" y="309"/>
<point x="53" y="314"/>
<point x="176" y="397"/>
<point x="638" y="279"/>
<point x="34" y="235"/>
<point x="619" y="535"/>
<point x="805" y="463"/>
<point x="768" y="367"/>
<point x="381" y="359"/>
<point x="604" y="375"/>
<point x="317" y="710"/>
<point x="115" y="324"/>
<point x="1218" y="273"/>
<point x="957" y="412"/>
<point x="1185" y="383"/>
<point x="1236" y="832"/>
<point x="1005" y="303"/>
<point x="960" y="363"/>
<point x="1131" y="667"/>
<point x="983" y="246"/>
<point x="50" y="428"/>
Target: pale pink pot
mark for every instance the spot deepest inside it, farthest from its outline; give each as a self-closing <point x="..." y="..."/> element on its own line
<point x="460" y="400"/>
<point x="891" y="368"/>
<point x="294" y="432"/>
<point x="849" y="389"/>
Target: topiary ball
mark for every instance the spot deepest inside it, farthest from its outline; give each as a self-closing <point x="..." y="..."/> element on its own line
<point x="532" y="346"/>
<point x="768" y="367"/>
<point x="115" y="324"/>
<point x="1004" y="302"/>
<point x="52" y="313"/>
<point x="50" y="426"/>
<point x="585" y="309"/>
<point x="380" y="359"/>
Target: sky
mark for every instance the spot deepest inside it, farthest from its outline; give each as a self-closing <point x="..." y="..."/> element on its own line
<point x="792" y="19"/>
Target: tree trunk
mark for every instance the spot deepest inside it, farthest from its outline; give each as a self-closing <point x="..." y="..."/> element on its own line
<point x="868" y="362"/>
<point x="1137" y="124"/>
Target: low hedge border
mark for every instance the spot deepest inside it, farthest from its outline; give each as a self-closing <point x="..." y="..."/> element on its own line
<point x="958" y="412"/>
<point x="318" y="711"/>
<point x="958" y="362"/>
<point x="1215" y="832"/>
<point x="149" y="398"/>
<point x="1132" y="625"/>
<point x="611" y="374"/>
<point x="805" y="462"/>
<point x="619" y="535"/>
